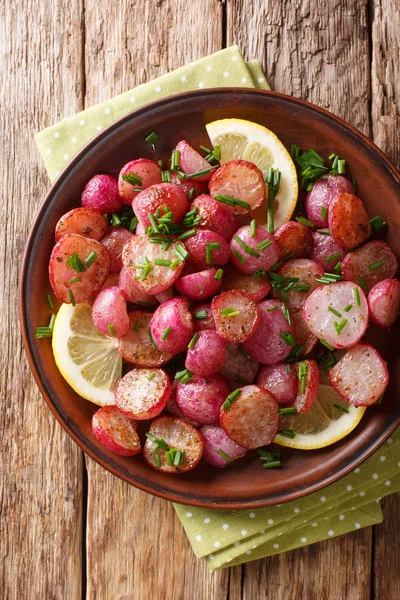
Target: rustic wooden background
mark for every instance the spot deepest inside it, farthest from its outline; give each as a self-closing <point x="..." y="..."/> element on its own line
<point x="68" y="529"/>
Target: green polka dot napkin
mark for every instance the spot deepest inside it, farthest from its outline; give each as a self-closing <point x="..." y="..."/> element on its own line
<point x="228" y="538"/>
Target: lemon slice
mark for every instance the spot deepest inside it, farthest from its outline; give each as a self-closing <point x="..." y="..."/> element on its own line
<point x="250" y="141"/>
<point x="89" y="361"/>
<point x="323" y="424"/>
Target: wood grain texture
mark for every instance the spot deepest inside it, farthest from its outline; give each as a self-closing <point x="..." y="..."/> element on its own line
<point x="386" y="579"/>
<point x="40" y="474"/>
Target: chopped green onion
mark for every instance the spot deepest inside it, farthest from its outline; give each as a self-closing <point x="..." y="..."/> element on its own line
<point x="295" y="353"/>
<point x="243" y="351"/>
<point x="334" y="311"/>
<point x="229" y="312"/>
<point x="230" y="399"/>
<point x="166" y="333"/>
<point x="345" y="410"/>
<point x="181" y="252"/>
<point x="260" y="273"/>
<point x="199" y="173"/>
<point x="218" y="275"/>
<point x="302" y="287"/>
<point x="183" y="376"/>
<point x="272" y="308"/>
<point x="325" y="343"/>
<point x="115" y="220"/>
<point x="75" y="263"/>
<point x="286" y="313"/>
<point x="175" y="160"/>
<point x="136" y="326"/>
<point x="200" y="315"/>
<point x="338" y="267"/>
<point x="332" y="257"/>
<point x="224" y="456"/>
<point x="159" y="442"/>
<point x="272" y="464"/>
<point x="239" y="256"/>
<point x="157" y="460"/>
<point x="151" y="139"/>
<point x="179" y="458"/>
<point x="288" y="338"/>
<point x="379" y="401"/>
<point x="205" y="149"/>
<point x="71" y="297"/>
<point x="193" y="341"/>
<point x="231" y="201"/>
<point x="132" y="178"/>
<point x="290" y="410"/>
<point x="166" y="245"/>
<point x="348" y="307"/>
<point x="151" y="376"/>
<point x="111" y="329"/>
<point x="151" y="339"/>
<point x="263" y="245"/>
<point x="153" y="223"/>
<point x="324" y="231"/>
<point x="327" y="362"/>
<point x="356" y="295"/>
<point x="289" y="433"/>
<point x="133" y="224"/>
<point x="362" y="284"/>
<point x="46" y="332"/>
<point x="166" y="176"/>
<point x="339" y="326"/>
<point x="377" y="223"/>
<point x="75" y="280"/>
<point x="192" y="193"/>
<point x="376" y="265"/>
<point x="187" y="234"/>
<point x="247" y="248"/>
<point x="253" y="228"/>
<point x="209" y="248"/>
<point x="273" y="181"/>
<point x="324" y="212"/>
<point x="50" y="302"/>
<point x="304" y="221"/>
<point x="162" y="262"/>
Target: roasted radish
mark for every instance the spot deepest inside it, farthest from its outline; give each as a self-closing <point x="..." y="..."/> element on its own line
<point x="384" y="302"/>
<point x="142" y="393"/>
<point x="236" y="316"/>
<point x="369" y="264"/>
<point x="201" y="398"/>
<point x="137" y="346"/>
<point x="219" y="449"/>
<point x="348" y="221"/>
<point x="116" y="431"/>
<point x="206" y="353"/>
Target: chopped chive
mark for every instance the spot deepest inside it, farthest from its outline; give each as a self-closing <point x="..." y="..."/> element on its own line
<point x="151" y="376"/>
<point x="151" y="139"/>
<point x="231" y="201"/>
<point x="376" y="265"/>
<point x="230" y="399"/>
<point x="289" y="286"/>
<point x="209" y="248"/>
<point x="218" y="275"/>
<point x="115" y="220"/>
<point x="287" y="368"/>
<point x="157" y="460"/>
<point x="289" y="433"/>
<point x="166" y="244"/>
<point x="229" y="312"/>
<point x="288" y="338"/>
<point x="178" y="458"/>
<point x="200" y="315"/>
<point x="239" y="256"/>
<point x="295" y="353"/>
<point x="136" y="326"/>
<point x="341" y="408"/>
<point x="377" y="223"/>
<point x="187" y="234"/>
<point x="205" y="149"/>
<point x="304" y="221"/>
<point x="272" y="464"/>
<point x="46" y="332"/>
<point x="362" y="284"/>
<point x="327" y="362"/>
<point x="356" y="295"/>
<point x="166" y="333"/>
<point x="339" y="326"/>
<point x="71" y="297"/>
<point x="132" y="178"/>
<point x="175" y="160"/>
<point x="286" y="313"/>
<point x="169" y="457"/>
<point x="273" y="181"/>
<point x="153" y="223"/>
<point x="75" y="280"/>
<point x="341" y="167"/>
<point x="247" y="248"/>
<point x="290" y="410"/>
<point x="260" y="273"/>
<point x="334" y="311"/>
<point x="75" y="263"/>
<point x="272" y="308"/>
<point x="133" y="224"/>
<point x="348" y="307"/>
<point x="253" y="228"/>
<point x="192" y="193"/>
<point x="193" y="341"/>
<point x="183" y="376"/>
<point x="174" y="263"/>
<point x="159" y="442"/>
<point x="325" y="343"/>
<point x="379" y="401"/>
<point x="50" y="302"/>
<point x="162" y="262"/>
<point x="181" y="252"/>
<point x="111" y="328"/>
<point x="324" y="231"/>
<point x="166" y="176"/>
<point x="224" y="456"/>
<point x="198" y="174"/>
<point x="151" y="339"/>
<point x="243" y="351"/>
<point x="324" y="212"/>
<point x="302" y="287"/>
<point x="332" y="257"/>
<point x="263" y="245"/>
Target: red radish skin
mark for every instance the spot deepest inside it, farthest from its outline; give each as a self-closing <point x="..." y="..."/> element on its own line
<point x="306" y="271"/>
<point x="109" y="313"/>
<point x="179" y="435"/>
<point x="132" y="292"/>
<point x="357" y="263"/>
<point x="197" y="247"/>
<point x="208" y="354"/>
<point x="160" y="278"/>
<point x="174" y="409"/>
<point x="215" y="216"/>
<point x="88" y="222"/>
<point x="111" y="280"/>
<point x="248" y="263"/>
<point x="91" y="280"/>
<point x="257" y="288"/>
<point x="321" y="321"/>
<point x="305" y="398"/>
<point x="191" y="161"/>
<point x="115" y="431"/>
<point x="214" y="440"/>
<point x="142" y="398"/>
<point x="252" y="419"/>
<point x="322" y="194"/>
<point x="239" y="327"/>
<point x="242" y="180"/>
<point x="384" y="302"/>
<point x="203" y="324"/>
<point x="136" y="347"/>
<point x="325" y="248"/>
<point x="198" y="286"/>
<point x="156" y="196"/>
<point x="114" y="242"/>
<point x="175" y="315"/>
<point x="281" y="380"/>
<point x="361" y="376"/>
<point x="201" y="398"/>
<point x="348" y="221"/>
<point x="304" y="336"/>
<point x="239" y="367"/>
<point x="148" y="170"/>
<point x="294" y="238"/>
<point x="101" y="193"/>
<point x="192" y="188"/>
<point x="267" y="345"/>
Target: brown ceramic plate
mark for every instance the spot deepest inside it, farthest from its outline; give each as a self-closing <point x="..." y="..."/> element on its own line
<point x="244" y="484"/>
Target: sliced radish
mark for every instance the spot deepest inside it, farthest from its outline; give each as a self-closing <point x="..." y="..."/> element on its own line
<point x="201" y="398"/>
<point x="361" y="376"/>
<point x="251" y="254"/>
<point x="207" y="248"/>
<point x="114" y="242"/>
<point x="176" y="435"/>
<point x="304" y="335"/>
<point x="191" y="161"/>
<point x="326" y="252"/>
<point x="131" y="291"/>
<point x="241" y="180"/>
<point x="252" y="419"/>
<point x="202" y="317"/>
<point x="308" y="375"/>
<point x="323" y="191"/>
<point x="384" y="302"/>
<point x="274" y="337"/>
<point x="348" y="221"/>
<point x="198" y="286"/>
<point x="239" y="367"/>
<point x="142" y="393"/>
<point x="369" y="264"/>
<point x="300" y="274"/>
<point x="236" y="316"/>
<point x="148" y="173"/>
<point x="219" y="449"/>
<point x="88" y="222"/>
<point x="281" y="380"/>
<point x="172" y="325"/>
<point x="340" y="330"/>
<point x="137" y="346"/>
<point x="156" y="196"/>
<point x="294" y="238"/>
<point x="206" y="353"/>
<point x="215" y="216"/>
<point x="116" y="431"/>
<point x="255" y="287"/>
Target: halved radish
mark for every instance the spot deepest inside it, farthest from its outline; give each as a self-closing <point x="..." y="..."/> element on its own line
<point x="300" y="275"/>
<point x="348" y="221"/>
<point x="110" y="314"/>
<point x="191" y="161"/>
<point x="174" y="409"/>
<point x="131" y="291"/>
<point x="308" y="376"/>
<point x="201" y="398"/>
<point x="361" y="376"/>
<point x="88" y="222"/>
<point x="241" y="180"/>
<point x="116" y="431"/>
<point x="206" y="353"/>
<point x="326" y="252"/>
<point x="207" y="248"/>
<point x="192" y="188"/>
<point x="215" y="216"/>
<point x="148" y="173"/>
<point x="202" y="317"/>
<point x="304" y="335"/>
<point x="325" y="314"/>
<point x="294" y="238"/>
<point x="219" y="449"/>
<point x="172" y="325"/>
<point x="155" y="278"/>
<point x="252" y="419"/>
<point x="236" y="316"/>
<point x="174" y="434"/>
<point x="323" y="191"/>
<point x="255" y="287"/>
<point x="281" y="380"/>
<point x="142" y="393"/>
<point x="198" y="286"/>
<point x="251" y="254"/>
<point x="114" y="242"/>
<point x="156" y="196"/>
<point x="371" y="263"/>
<point x="72" y="281"/>
<point x="239" y="367"/>
<point x="274" y="338"/>
<point x="384" y="302"/>
<point x="137" y="346"/>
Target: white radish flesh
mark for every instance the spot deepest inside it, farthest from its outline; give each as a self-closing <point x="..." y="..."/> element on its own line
<point x="236" y="316"/>
<point x="137" y="346"/>
<point x="257" y="288"/>
<point x="371" y="263"/>
<point x="219" y="449"/>
<point x="116" y="431"/>
<point x="241" y="180"/>
<point x="142" y="393"/>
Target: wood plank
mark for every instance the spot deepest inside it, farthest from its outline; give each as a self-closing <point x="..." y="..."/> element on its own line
<point x="319" y="51"/>
<point x="136" y="546"/>
<point x="40" y="481"/>
<point x="385" y="110"/>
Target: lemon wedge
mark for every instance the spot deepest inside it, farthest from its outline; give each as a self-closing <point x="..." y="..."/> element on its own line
<point x="89" y="361"/>
<point x="240" y="139"/>
<point x="323" y="424"/>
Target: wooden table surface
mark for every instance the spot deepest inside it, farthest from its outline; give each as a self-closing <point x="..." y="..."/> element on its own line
<point x="68" y="529"/>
